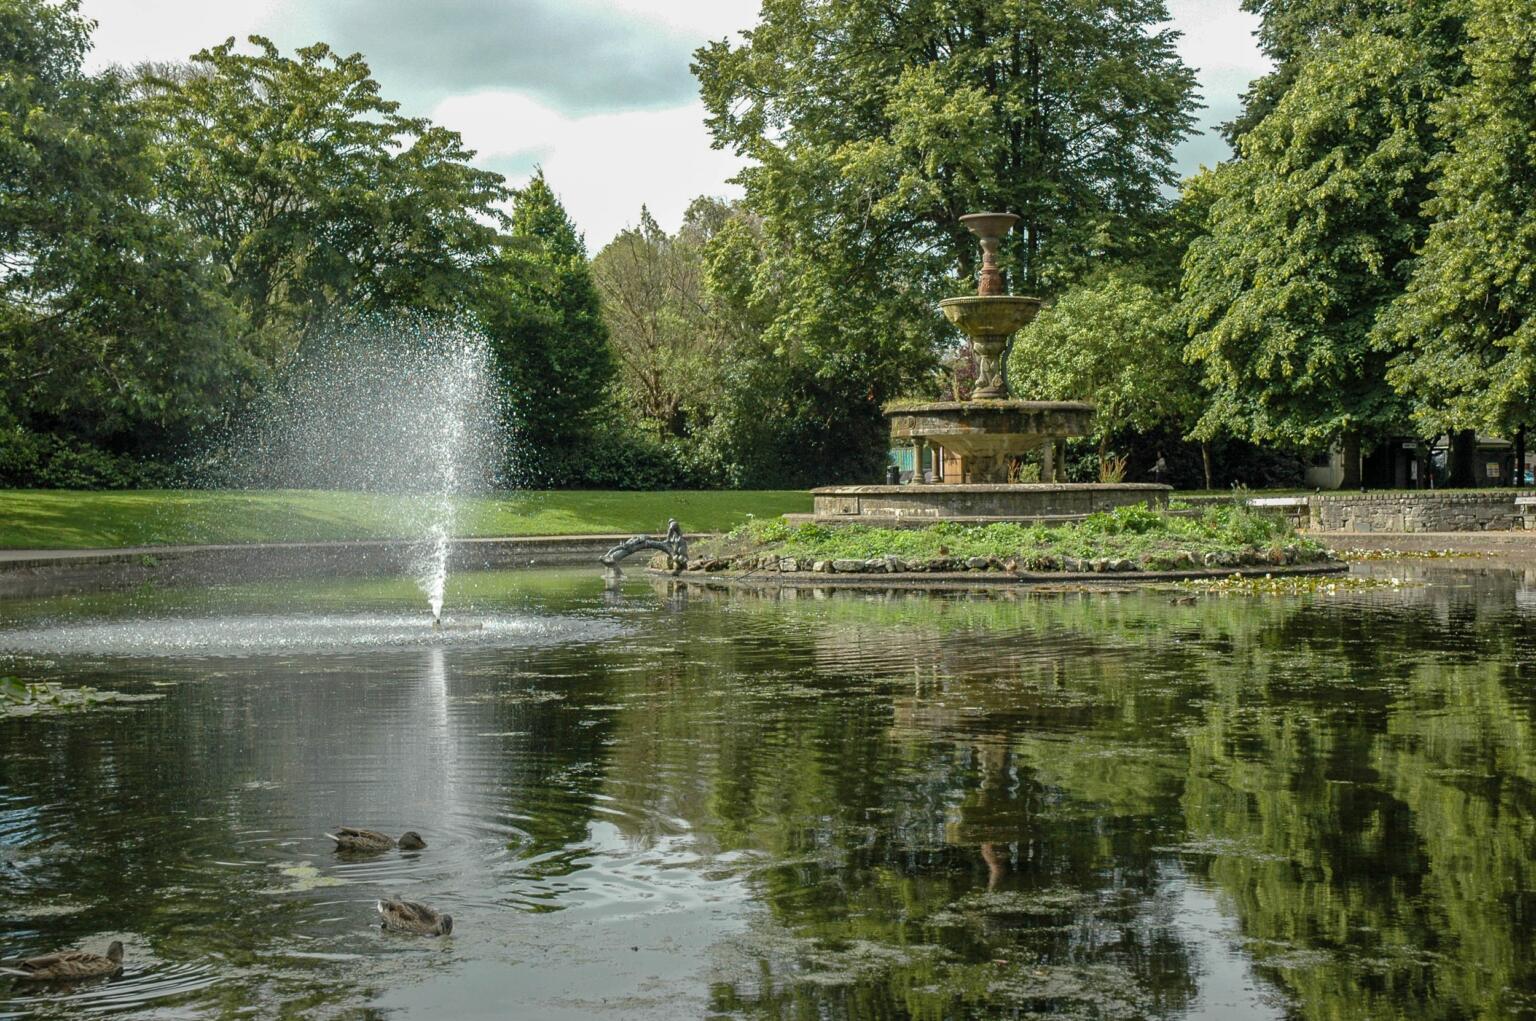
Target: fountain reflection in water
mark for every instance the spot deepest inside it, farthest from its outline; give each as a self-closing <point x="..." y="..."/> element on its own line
<point x="403" y="405"/>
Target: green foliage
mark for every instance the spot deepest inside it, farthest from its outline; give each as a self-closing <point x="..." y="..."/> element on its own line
<point x="875" y="128"/>
<point x="313" y="190"/>
<point x="1310" y="233"/>
<point x="1115" y="342"/>
<point x="111" y="330"/>
<point x="542" y="314"/>
<point x="63" y="462"/>
<point x="1468" y="319"/>
<point x="1126" y="532"/>
<point x="28" y="698"/>
<point x="667" y="345"/>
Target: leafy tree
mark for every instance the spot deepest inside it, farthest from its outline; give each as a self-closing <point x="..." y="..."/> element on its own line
<point x="111" y="332"/>
<point x="1116" y="338"/>
<point x="1116" y="342"/>
<point x="313" y="190"/>
<point x="1311" y="233"/>
<point x="873" y="127"/>
<point x="1468" y="318"/>
<point x="876" y="126"/>
<point x="655" y="307"/>
<point x="542" y="312"/>
<point x="1289" y="32"/>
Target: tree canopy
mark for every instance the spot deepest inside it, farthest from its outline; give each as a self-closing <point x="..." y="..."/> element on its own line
<point x="112" y="330"/>
<point x="313" y="190"/>
<point x="1467" y="322"/>
<point x="1311" y="234"/>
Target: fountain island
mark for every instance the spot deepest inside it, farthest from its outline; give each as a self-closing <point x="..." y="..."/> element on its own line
<point x="989" y="433"/>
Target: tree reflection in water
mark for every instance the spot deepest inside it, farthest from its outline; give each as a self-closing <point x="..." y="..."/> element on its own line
<point x="861" y="806"/>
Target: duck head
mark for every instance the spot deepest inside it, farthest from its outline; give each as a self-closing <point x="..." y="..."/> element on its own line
<point x="115" y="951"/>
<point x="444" y="925"/>
<point x="410" y="840"/>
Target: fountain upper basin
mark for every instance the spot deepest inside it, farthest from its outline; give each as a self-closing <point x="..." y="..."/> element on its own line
<point x="990" y="315"/>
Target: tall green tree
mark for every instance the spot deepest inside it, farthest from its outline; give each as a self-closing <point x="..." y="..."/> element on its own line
<point x="876" y="126"/>
<point x="1468" y="319"/>
<point x="542" y="312"/>
<point x="313" y="190"/>
<point x="1311" y="233"/>
<point x="1292" y="30"/>
<point x="872" y="127"/>
<point x="112" y="333"/>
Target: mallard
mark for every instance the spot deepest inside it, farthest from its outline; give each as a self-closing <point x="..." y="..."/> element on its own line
<point x="70" y="964"/>
<point x="411" y="916"/>
<point x="349" y="838"/>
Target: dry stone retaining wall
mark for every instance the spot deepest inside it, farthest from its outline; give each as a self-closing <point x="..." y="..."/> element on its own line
<point x="1414" y="512"/>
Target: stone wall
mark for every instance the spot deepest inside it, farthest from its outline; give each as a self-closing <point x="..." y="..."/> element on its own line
<point x="1421" y="511"/>
<point x="924" y="504"/>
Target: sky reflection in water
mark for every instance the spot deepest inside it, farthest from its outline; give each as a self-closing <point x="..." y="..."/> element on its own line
<point x="664" y="804"/>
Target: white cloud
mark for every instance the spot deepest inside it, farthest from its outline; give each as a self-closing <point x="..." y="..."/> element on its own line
<point x="704" y="19"/>
<point x="603" y="166"/>
<point x="130" y="31"/>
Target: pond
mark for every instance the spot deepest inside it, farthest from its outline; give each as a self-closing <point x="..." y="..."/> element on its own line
<point x="652" y="802"/>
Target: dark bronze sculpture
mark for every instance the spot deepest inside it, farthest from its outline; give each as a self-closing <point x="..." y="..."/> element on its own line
<point x="673" y="545"/>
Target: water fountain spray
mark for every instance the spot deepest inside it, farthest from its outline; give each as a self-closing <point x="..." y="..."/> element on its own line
<point x="406" y="406"/>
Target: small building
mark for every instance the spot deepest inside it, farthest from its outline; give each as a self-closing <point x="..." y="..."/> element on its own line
<point x="1404" y="462"/>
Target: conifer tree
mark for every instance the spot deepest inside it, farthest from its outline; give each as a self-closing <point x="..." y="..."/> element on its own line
<point x="543" y="314"/>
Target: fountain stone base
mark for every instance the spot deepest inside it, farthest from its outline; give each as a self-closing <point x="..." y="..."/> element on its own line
<point x="987" y="433"/>
<point x="918" y="504"/>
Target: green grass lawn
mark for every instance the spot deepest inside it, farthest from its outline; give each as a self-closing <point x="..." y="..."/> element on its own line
<point x="67" y="519"/>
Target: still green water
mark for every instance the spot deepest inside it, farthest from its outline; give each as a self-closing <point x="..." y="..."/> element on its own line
<point x="654" y="803"/>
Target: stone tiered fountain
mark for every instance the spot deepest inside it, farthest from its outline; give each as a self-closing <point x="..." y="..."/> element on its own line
<point x="990" y="432"/>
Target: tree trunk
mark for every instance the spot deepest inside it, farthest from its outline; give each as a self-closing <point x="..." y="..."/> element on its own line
<point x="1520" y="456"/>
<point x="1205" y="463"/>
<point x="1351" y="444"/>
<point x="1463" y="456"/>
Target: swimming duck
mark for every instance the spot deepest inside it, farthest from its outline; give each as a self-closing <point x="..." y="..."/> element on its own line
<point x="411" y="916"/>
<point x="349" y="838"/>
<point x="70" y="964"/>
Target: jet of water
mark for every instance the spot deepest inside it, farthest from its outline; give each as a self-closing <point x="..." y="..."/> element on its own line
<point x="407" y="406"/>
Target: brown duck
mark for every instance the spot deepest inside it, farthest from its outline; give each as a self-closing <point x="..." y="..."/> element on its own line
<point x="70" y="964"/>
<point x="411" y="916"/>
<point x="349" y="838"/>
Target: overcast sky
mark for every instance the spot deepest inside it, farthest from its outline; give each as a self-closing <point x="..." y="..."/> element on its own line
<point x="596" y="91"/>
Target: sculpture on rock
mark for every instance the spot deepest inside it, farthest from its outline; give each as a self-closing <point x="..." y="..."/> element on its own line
<point x="673" y="544"/>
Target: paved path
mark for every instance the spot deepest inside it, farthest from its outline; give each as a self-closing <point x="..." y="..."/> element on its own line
<point x="1512" y="543"/>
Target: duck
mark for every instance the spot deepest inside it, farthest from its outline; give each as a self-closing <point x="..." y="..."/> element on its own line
<point x="1183" y="600"/>
<point x="350" y="838"/>
<point x="411" y="916"/>
<point x="70" y="964"/>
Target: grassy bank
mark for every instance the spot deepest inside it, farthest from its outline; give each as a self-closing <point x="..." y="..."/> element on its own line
<point x="62" y="519"/>
<point x="1129" y="538"/>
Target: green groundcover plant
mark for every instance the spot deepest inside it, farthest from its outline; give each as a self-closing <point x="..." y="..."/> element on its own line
<point x="1152" y="538"/>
